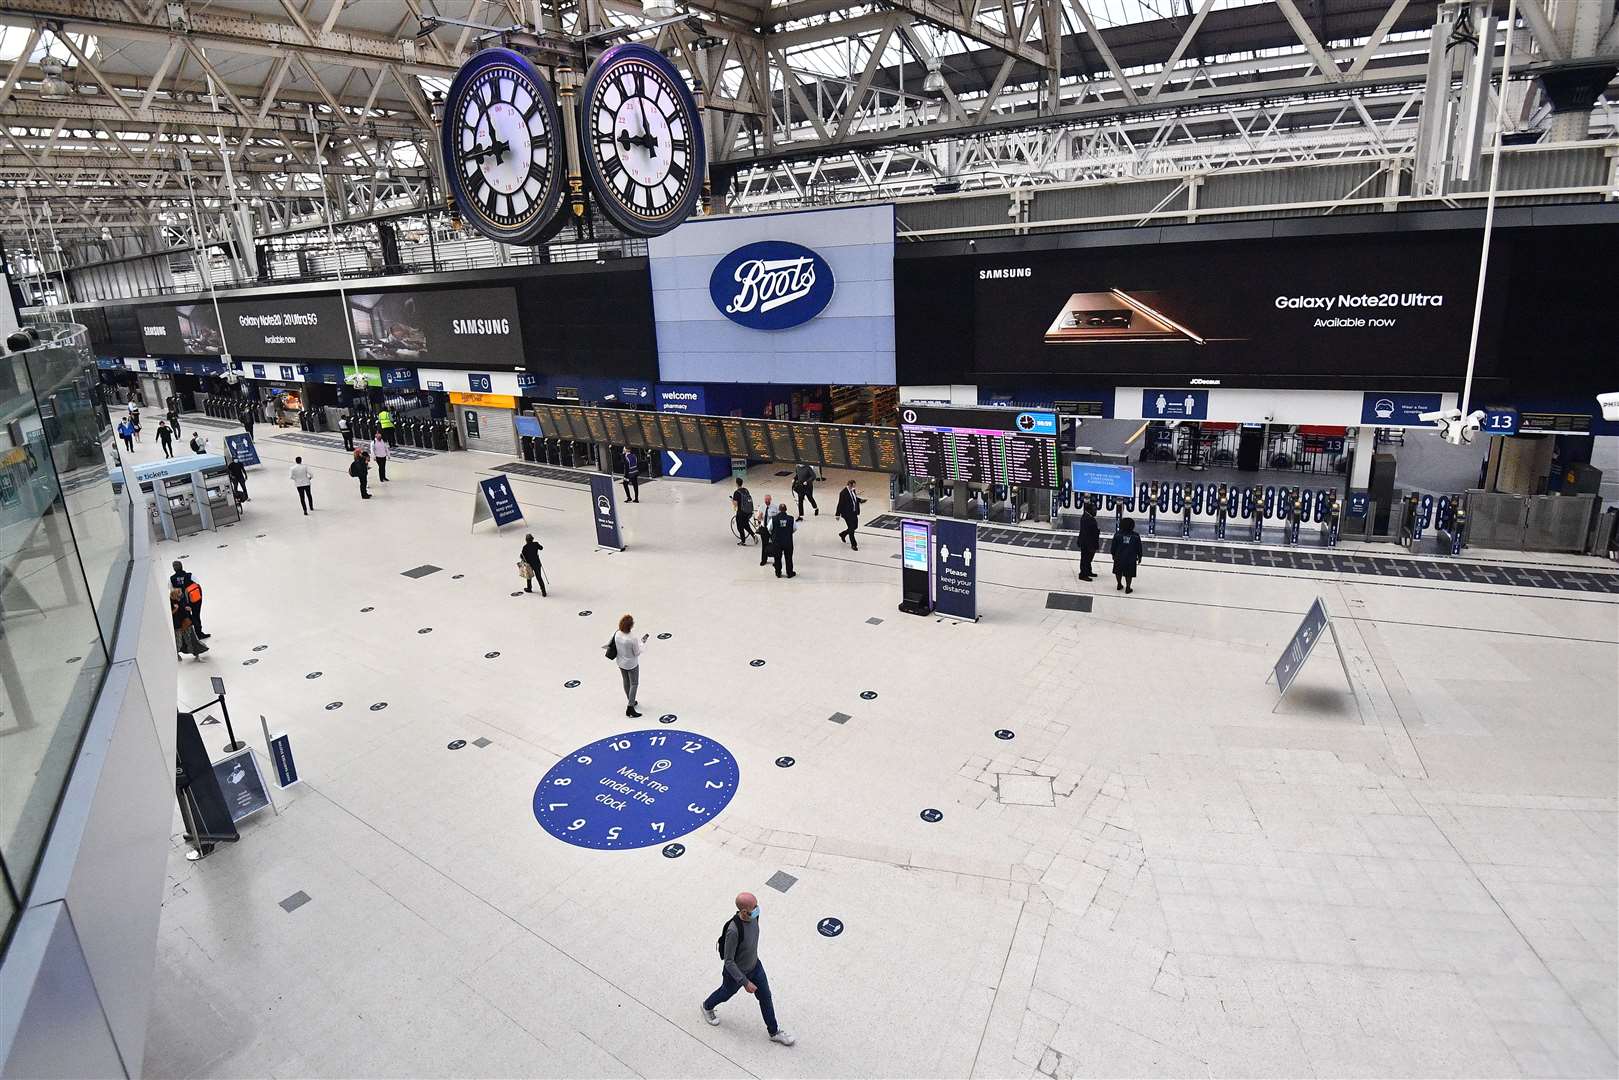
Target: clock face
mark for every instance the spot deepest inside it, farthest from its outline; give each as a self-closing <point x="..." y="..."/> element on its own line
<point x="641" y="140"/>
<point x="502" y="148"/>
<point x="636" y="789"/>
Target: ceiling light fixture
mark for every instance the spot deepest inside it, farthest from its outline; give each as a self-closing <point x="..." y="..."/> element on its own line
<point x="52" y="85"/>
<point x="933" y="84"/>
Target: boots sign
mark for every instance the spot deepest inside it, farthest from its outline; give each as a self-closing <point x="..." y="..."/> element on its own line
<point x="771" y="285"/>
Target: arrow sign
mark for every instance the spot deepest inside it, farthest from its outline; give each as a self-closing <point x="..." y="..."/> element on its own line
<point x="674" y="468"/>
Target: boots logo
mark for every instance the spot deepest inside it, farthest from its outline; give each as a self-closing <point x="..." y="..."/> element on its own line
<point x="771" y="285"/>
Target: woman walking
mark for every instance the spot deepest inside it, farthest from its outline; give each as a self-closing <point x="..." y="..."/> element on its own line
<point x="185" y="626"/>
<point x="1126" y="551"/>
<point x="628" y="649"/>
<point x="529" y="564"/>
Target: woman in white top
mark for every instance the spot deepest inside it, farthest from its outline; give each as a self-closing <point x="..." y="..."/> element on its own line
<point x="629" y="649"/>
<point x="379" y="453"/>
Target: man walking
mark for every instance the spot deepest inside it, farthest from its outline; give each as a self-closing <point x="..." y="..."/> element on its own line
<point x="1090" y="539"/>
<point x="632" y="475"/>
<point x="192" y="593"/>
<point x="299" y="475"/>
<point x="347" y="432"/>
<point x="174" y="418"/>
<point x="739" y="948"/>
<point x="165" y="439"/>
<point x="742" y="504"/>
<point x="126" y="432"/>
<point x="781" y="539"/>
<point x="804" y="488"/>
<point x="247" y="420"/>
<point x="379" y="450"/>
<point x="849" y="510"/>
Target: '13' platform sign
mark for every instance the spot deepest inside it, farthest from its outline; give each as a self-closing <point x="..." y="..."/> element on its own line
<point x="636" y="789"/>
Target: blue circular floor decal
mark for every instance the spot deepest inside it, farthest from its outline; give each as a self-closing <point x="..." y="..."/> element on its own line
<point x="635" y="789"/>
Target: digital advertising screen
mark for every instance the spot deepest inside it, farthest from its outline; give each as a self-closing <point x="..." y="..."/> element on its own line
<point x="182" y="330"/>
<point x="308" y="328"/>
<point x="450" y="326"/>
<point x="914" y="537"/>
<point x="1297" y="310"/>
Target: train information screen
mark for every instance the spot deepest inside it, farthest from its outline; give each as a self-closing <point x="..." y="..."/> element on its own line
<point x="613" y="419"/>
<point x="595" y="425"/>
<point x="1003" y="446"/>
<point x="758" y="439"/>
<point x="833" y="450"/>
<point x="862" y="454"/>
<point x="576" y="420"/>
<point x="889" y="455"/>
<point x="669" y="424"/>
<point x="781" y="441"/>
<point x="691" y="433"/>
<point x="714" y="435"/>
<point x="736" y="436"/>
<point x="806" y="444"/>
<point x="651" y="436"/>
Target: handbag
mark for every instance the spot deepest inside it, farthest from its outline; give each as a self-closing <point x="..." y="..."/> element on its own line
<point x="524" y="570"/>
<point x="612" y="648"/>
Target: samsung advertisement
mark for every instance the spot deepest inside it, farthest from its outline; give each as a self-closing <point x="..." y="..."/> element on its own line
<point x="1339" y="311"/>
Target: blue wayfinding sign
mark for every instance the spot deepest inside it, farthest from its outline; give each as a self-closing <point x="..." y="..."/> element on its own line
<point x="1397" y="410"/>
<point x="1309" y="632"/>
<point x="956" y="584"/>
<point x="500" y="501"/>
<point x="604" y="508"/>
<point x="286" y="768"/>
<point x="636" y="789"/>
<point x="1174" y="404"/>
<point x="1092" y="478"/>
<point x="771" y="285"/>
<point x="1501" y="422"/>
<point x="242" y="449"/>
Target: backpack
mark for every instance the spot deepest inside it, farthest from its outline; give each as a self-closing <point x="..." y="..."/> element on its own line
<point x="744" y="501"/>
<point x="194" y="593"/>
<point x="720" y="944"/>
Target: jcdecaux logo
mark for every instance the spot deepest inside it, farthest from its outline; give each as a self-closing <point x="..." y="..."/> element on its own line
<point x="771" y="285"/>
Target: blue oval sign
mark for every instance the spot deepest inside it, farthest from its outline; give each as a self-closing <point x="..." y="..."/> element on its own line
<point x="771" y="285"/>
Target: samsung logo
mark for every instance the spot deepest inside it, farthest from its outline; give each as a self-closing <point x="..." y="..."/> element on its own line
<point x="1005" y="272"/>
<point x="480" y="326"/>
<point x="155" y="331"/>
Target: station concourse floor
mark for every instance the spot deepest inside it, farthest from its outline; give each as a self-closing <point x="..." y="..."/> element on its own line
<point x="1163" y="873"/>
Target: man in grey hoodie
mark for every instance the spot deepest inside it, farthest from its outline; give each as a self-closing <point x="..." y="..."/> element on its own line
<point x="739" y="948"/>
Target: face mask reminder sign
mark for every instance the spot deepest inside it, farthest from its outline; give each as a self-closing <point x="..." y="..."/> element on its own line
<point x="916" y="567"/>
<point x="604" y="509"/>
<point x="496" y="500"/>
<point x="241" y="783"/>
<point x="956" y="567"/>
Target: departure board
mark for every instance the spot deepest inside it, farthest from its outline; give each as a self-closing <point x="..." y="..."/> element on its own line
<point x="736" y="436"/>
<point x="613" y="420"/>
<point x="595" y="425"/>
<point x="805" y="443"/>
<point x="651" y="435"/>
<point x="669" y="424"/>
<point x="714" y="435"/>
<point x="554" y="419"/>
<point x="691" y="432"/>
<point x="889" y="457"/>
<point x="833" y="451"/>
<point x="576" y="419"/>
<point x="758" y="439"/>
<point x="632" y="429"/>
<point x="1004" y="446"/>
<point x="857" y="441"/>
<point x="548" y="421"/>
<point x="781" y="441"/>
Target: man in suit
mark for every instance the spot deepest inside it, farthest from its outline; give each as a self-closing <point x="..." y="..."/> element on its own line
<point x="781" y="539"/>
<point x="1090" y="539"/>
<point x="849" y="510"/>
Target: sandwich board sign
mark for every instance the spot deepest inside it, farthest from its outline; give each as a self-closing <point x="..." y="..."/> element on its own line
<point x="1315" y="625"/>
<point x="496" y="501"/>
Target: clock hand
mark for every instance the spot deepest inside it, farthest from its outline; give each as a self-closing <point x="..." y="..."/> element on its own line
<point x="497" y="148"/>
<point x="651" y="143"/>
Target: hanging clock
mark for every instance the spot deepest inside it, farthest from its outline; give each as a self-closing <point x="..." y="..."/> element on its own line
<point x="642" y="141"/>
<point x="503" y="148"/>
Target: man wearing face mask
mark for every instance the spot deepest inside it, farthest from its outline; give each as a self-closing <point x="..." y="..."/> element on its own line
<point x="739" y="948"/>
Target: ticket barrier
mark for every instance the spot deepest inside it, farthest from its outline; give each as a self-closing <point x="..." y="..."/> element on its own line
<point x="1328" y="512"/>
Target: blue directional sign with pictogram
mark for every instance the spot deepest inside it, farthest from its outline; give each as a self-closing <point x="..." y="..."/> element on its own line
<point x="636" y="789"/>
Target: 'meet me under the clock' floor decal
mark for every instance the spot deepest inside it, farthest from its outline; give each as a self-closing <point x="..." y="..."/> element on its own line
<point x="636" y="789"/>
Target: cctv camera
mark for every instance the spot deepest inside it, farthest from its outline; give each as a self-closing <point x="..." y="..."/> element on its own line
<point x="1440" y="417"/>
<point x="1610" y="405"/>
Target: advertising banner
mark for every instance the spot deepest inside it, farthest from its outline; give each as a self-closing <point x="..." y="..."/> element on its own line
<point x="183" y="330"/>
<point x="241" y="448"/>
<point x="300" y="327"/>
<point x="604" y="508"/>
<point x="498" y="501"/>
<point x="800" y="297"/>
<point x="956" y="586"/>
<point x="449" y="326"/>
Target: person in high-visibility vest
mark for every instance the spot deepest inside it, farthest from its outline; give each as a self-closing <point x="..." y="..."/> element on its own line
<point x="385" y="421"/>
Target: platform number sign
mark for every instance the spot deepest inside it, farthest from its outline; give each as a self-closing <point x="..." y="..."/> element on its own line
<point x="1501" y="422"/>
<point x="636" y="789"/>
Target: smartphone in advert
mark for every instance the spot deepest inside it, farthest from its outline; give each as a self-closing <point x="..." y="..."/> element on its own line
<point x="1115" y="316"/>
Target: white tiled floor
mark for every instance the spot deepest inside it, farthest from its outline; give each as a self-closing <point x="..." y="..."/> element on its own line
<point x="1418" y="878"/>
